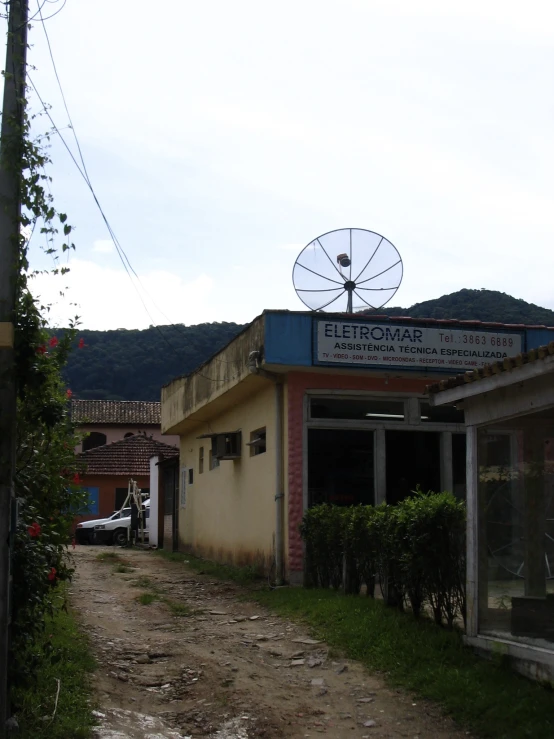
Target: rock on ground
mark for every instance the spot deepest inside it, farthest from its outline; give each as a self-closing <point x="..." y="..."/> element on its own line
<point x="200" y="662"/>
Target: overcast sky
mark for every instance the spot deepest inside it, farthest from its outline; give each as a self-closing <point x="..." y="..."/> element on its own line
<point x="221" y="137"/>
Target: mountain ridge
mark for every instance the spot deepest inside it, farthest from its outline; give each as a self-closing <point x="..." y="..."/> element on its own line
<point x="133" y="364"/>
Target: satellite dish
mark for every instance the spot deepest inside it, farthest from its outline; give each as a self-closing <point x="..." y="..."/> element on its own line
<point x="348" y="262"/>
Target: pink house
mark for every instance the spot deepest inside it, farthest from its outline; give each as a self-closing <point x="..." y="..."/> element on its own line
<point x="106" y="421"/>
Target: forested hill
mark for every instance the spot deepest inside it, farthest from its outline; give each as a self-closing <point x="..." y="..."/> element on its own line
<point x="134" y="364"/>
<point x="477" y="305"/>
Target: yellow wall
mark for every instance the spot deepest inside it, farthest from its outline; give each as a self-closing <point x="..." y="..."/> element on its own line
<point x="230" y="511"/>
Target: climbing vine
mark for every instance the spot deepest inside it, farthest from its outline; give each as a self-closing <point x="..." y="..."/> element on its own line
<point x="47" y="478"/>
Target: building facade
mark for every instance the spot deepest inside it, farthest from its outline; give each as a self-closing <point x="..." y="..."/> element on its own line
<point x="509" y="413"/>
<point x="105" y="421"/>
<point x="106" y="471"/>
<point x="303" y="408"/>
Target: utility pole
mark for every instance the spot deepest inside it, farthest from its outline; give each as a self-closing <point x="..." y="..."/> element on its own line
<point x="10" y="219"/>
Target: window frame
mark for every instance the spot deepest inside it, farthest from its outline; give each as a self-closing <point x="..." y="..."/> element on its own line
<point x="255" y="449"/>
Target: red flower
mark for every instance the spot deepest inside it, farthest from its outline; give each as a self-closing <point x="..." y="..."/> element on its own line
<point x="53" y="341"/>
<point x="34" y="530"/>
<point x="41" y="349"/>
<point x="69" y="393"/>
<point x="52" y="574"/>
<point x="76" y="478"/>
<point x="81" y="344"/>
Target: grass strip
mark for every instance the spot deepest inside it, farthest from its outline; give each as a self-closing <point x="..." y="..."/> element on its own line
<point x="155" y="592"/>
<point x="145" y="599"/>
<point x="242" y="575"/>
<point x="433" y="663"/>
<point x="108" y="557"/>
<point x="69" y="661"/>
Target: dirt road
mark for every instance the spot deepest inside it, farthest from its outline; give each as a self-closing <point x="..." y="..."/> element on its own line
<point x="200" y="661"/>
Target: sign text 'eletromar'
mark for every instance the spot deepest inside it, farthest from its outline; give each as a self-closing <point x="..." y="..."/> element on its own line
<point x="408" y="346"/>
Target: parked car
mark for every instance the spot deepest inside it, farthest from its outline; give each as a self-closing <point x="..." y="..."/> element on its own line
<point x="85" y="531"/>
<point x="115" y="531"/>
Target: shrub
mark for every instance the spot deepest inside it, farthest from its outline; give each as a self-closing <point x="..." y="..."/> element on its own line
<point x="383" y="530"/>
<point x="322" y="530"/>
<point x="360" y="549"/>
<point x="417" y="550"/>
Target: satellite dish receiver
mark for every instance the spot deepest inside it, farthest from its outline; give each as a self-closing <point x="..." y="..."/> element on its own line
<point x="348" y="262"/>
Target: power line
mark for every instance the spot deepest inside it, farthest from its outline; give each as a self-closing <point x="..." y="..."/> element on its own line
<point x="84" y="174"/>
<point x="112" y="234"/>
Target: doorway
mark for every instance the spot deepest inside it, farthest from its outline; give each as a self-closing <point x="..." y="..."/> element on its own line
<point x="340" y="467"/>
<point x="413" y="458"/>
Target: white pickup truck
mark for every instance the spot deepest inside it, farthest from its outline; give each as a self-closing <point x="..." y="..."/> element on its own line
<point x="116" y="530"/>
<point x="85" y="531"/>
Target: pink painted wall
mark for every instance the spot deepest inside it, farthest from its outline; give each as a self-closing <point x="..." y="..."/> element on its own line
<point x="116" y="433"/>
<point x="298" y="383"/>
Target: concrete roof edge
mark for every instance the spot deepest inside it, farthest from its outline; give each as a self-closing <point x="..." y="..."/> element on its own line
<point x="213" y="356"/>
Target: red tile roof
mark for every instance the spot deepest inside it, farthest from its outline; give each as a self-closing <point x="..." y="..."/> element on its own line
<point x="124" y="412"/>
<point x="129" y="456"/>
<point x="496" y="368"/>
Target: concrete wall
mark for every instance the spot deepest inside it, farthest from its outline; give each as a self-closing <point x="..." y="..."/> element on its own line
<point x="204" y="391"/>
<point x="229" y="513"/>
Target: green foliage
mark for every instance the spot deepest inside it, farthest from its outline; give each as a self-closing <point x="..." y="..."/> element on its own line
<point x="146" y="599"/>
<point x="360" y="549"/>
<point x="477" y="305"/>
<point x="70" y="662"/>
<point x="322" y="529"/>
<point x="416" y="548"/>
<point x="134" y="364"/>
<point x="46" y="478"/>
<point x="383" y="530"/>
<point x="46" y="481"/>
<point x="107" y="368"/>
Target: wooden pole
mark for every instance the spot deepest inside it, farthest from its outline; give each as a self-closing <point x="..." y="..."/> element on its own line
<point x="10" y="219"/>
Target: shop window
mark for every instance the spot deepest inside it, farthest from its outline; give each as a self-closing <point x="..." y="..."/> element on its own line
<point x="191" y="476"/>
<point x="340" y="467"/>
<point x="257" y="442"/>
<point x="361" y="409"/>
<point x="442" y="414"/>
<point x="94" y="439"/>
<point x="201" y="460"/>
<point x="516" y="539"/>
<point x="459" y="465"/>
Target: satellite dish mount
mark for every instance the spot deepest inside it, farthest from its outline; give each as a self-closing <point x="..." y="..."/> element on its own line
<point x="346" y="266"/>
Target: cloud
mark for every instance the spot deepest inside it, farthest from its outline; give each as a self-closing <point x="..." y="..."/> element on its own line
<point x="104" y="298"/>
<point x="104" y="246"/>
<point x="292" y="247"/>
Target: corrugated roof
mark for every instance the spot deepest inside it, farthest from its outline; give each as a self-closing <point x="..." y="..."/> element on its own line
<point x="496" y="368"/>
<point x="125" y="412"/>
<point x="129" y="456"/>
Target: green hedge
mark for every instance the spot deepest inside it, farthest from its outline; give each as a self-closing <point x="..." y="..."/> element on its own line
<point x="414" y="550"/>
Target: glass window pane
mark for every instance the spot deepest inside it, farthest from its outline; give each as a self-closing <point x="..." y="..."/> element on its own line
<point x="340" y="467"/>
<point x="366" y="409"/>
<point x="516" y="527"/>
